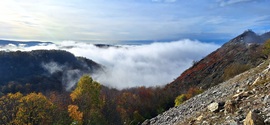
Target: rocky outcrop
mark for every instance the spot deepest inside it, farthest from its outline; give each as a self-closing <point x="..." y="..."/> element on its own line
<point x="244" y="102"/>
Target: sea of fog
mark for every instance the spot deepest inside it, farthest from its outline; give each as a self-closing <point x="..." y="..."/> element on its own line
<point x="153" y="64"/>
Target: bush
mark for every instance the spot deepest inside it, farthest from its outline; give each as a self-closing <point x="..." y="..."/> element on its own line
<point x="192" y="91"/>
<point x="180" y="99"/>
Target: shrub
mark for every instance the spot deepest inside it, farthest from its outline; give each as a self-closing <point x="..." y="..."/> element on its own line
<point x="192" y="91"/>
<point x="180" y="99"/>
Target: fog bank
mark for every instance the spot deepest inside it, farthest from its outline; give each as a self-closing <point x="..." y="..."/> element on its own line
<point x="134" y="65"/>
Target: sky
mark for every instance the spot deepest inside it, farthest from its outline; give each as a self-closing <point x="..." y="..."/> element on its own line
<point x="120" y="20"/>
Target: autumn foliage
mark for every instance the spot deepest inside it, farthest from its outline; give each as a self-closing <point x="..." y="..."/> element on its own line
<point x="87" y="96"/>
<point x="9" y="107"/>
<point x="34" y="109"/>
<point x="75" y="114"/>
<point x="31" y="109"/>
<point x="183" y="97"/>
<point x="89" y="103"/>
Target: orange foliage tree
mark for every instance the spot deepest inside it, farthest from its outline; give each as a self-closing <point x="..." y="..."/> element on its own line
<point x="75" y="114"/>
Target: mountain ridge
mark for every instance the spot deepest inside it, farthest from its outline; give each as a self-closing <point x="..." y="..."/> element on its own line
<point x="211" y="70"/>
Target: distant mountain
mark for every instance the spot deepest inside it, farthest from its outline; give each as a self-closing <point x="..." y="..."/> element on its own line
<point x="244" y="49"/>
<point x="27" y="43"/>
<point x="42" y="69"/>
<point x="251" y="37"/>
<point x="105" y="46"/>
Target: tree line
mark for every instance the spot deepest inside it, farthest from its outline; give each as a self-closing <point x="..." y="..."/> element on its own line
<point x="89" y="103"/>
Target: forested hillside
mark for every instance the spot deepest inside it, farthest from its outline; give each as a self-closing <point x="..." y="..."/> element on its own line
<point x="42" y="70"/>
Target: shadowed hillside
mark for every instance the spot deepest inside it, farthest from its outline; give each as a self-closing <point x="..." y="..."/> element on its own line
<point x="42" y="70"/>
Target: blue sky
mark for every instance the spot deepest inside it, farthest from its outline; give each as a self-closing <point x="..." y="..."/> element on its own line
<point x="116" y="20"/>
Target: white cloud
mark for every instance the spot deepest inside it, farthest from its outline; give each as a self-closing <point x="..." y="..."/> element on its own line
<point x="138" y="65"/>
<point x="230" y="2"/>
<point x="53" y="20"/>
<point x="167" y="1"/>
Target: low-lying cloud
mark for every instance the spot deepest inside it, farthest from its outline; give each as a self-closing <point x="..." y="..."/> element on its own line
<point x="136" y="65"/>
<point x="70" y="76"/>
<point x="52" y="67"/>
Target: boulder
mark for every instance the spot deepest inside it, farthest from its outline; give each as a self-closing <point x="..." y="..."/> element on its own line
<point x="215" y="106"/>
<point x="253" y="118"/>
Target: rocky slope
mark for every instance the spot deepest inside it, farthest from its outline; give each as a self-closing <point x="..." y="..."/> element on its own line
<point x="238" y="92"/>
<point x="243" y="50"/>
<point x="244" y="99"/>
